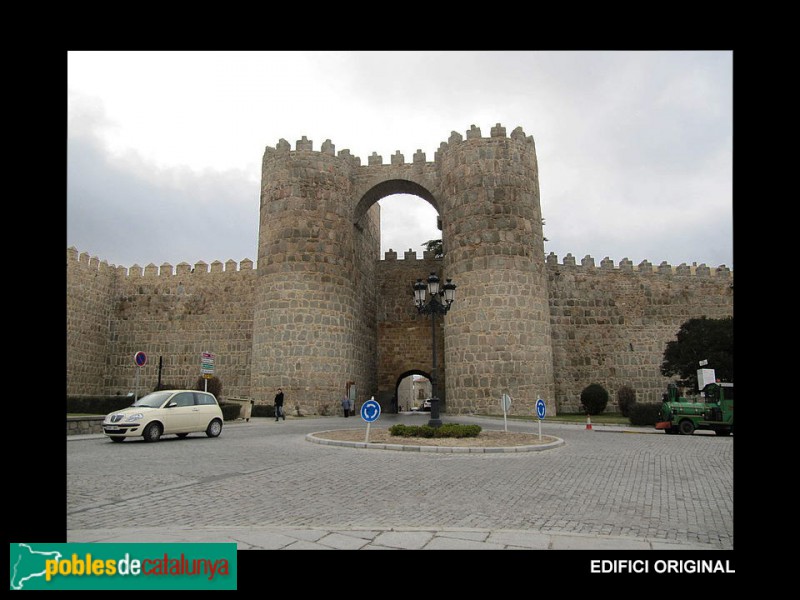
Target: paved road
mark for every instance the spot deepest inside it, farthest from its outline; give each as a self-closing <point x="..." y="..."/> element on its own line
<point x="263" y="485"/>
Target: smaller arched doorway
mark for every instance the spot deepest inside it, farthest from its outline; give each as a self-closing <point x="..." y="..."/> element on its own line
<point x="411" y="390"/>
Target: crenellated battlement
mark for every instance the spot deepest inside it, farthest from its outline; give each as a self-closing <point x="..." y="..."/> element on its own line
<point x="588" y="263"/>
<point x="200" y="268"/>
<point x="324" y="308"/>
<point x="644" y="267"/>
<point x="409" y="255"/>
<point x="89" y="263"/>
<point x="304" y="145"/>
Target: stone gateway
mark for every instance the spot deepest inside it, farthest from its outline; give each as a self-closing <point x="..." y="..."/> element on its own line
<point x="323" y="311"/>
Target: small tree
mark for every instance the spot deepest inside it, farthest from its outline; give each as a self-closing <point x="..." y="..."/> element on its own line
<point x="594" y="399"/>
<point x="168" y="386"/>
<point x="434" y="246"/>
<point x="645" y="413"/>
<point x="700" y="339"/>
<point x="214" y="385"/>
<point x="626" y="398"/>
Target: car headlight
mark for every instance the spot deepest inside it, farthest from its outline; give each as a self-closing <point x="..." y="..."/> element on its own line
<point x="135" y="417"/>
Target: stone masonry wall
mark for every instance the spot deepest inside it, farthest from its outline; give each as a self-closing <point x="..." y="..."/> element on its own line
<point x="178" y="315"/>
<point x="315" y="305"/>
<point x="498" y="336"/>
<point x="90" y="300"/>
<point x="404" y="336"/>
<point x="610" y="325"/>
<point x="323" y="309"/>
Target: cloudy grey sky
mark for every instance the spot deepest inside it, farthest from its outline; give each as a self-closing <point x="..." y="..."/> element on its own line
<point x="634" y="148"/>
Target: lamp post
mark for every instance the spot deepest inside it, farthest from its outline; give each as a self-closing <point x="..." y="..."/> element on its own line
<point x="434" y="306"/>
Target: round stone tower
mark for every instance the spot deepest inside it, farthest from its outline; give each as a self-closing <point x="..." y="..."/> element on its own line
<point x="310" y="333"/>
<point x="497" y="335"/>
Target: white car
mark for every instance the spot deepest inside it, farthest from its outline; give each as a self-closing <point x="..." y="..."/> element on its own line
<point x="178" y="412"/>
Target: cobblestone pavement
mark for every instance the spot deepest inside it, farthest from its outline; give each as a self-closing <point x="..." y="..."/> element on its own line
<point x="608" y="486"/>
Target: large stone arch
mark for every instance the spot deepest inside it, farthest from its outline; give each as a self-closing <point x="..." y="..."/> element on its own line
<point x="403" y="337"/>
<point x="404" y="375"/>
<point x="390" y="187"/>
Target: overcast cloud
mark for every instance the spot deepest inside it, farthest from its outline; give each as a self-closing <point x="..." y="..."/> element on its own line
<point x="634" y="148"/>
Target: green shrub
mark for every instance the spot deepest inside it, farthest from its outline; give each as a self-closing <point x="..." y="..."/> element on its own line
<point x="263" y="410"/>
<point x="594" y="399"/>
<point x="214" y="385"/>
<point x="168" y="386"/>
<point x="399" y="430"/>
<point x="230" y="411"/>
<point x="97" y="405"/>
<point x="645" y="413"/>
<point x="458" y="431"/>
<point x="426" y="431"/>
<point x="626" y="398"/>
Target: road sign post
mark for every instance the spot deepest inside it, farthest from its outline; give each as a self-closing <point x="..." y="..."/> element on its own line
<point x="207" y="367"/>
<point x="140" y="360"/>
<point x="370" y="411"/>
<point x="505" y="402"/>
<point x="541" y="411"/>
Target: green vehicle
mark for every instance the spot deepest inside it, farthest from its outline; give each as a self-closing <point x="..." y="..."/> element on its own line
<point x="679" y="415"/>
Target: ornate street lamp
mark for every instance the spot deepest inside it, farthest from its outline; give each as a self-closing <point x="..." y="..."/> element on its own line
<point x="435" y="306"/>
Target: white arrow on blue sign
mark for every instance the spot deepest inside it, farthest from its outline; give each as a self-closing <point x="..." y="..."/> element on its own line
<point x="370" y="411"/>
<point x="541" y="409"/>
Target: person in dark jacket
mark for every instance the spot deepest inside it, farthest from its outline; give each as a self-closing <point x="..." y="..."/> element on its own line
<point x="279" y="405"/>
<point x="346" y="406"/>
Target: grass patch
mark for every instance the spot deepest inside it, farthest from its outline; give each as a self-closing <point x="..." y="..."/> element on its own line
<point x="601" y="419"/>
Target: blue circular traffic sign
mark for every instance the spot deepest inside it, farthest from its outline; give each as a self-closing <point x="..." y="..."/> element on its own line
<point x="541" y="409"/>
<point x="370" y="411"/>
<point x="140" y="358"/>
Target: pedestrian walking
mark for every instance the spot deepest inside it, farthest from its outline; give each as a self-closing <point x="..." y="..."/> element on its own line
<point x="346" y="406"/>
<point x="279" y="405"/>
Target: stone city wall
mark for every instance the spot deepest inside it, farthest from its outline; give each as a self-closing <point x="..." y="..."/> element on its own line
<point x="176" y="314"/>
<point x="404" y="335"/>
<point x="610" y="325"/>
<point x="323" y="309"/>
<point x="91" y="286"/>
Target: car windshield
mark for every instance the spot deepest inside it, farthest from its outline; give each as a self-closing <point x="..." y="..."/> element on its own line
<point x="154" y="400"/>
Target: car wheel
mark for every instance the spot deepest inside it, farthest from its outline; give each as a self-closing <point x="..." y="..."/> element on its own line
<point x="181" y="435"/>
<point x="214" y="428"/>
<point x="117" y="439"/>
<point x="152" y="433"/>
<point x="686" y="427"/>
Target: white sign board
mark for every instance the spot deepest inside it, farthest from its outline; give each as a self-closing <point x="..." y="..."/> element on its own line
<point x="704" y="377"/>
<point x="207" y="363"/>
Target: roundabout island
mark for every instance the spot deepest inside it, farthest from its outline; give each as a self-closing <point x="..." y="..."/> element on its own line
<point x="487" y="441"/>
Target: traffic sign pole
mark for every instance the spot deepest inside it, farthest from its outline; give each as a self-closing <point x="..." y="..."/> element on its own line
<point x="541" y="411"/>
<point x="207" y="367"/>
<point x="505" y="401"/>
<point x="140" y="360"/>
<point x="370" y="411"/>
